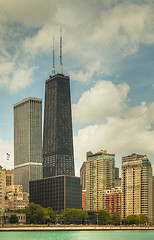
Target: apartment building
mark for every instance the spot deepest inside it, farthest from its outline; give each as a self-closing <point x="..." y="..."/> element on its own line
<point x="100" y="175"/>
<point x="136" y="185"/>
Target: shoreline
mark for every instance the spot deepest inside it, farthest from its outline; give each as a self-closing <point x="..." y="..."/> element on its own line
<point x="72" y="228"/>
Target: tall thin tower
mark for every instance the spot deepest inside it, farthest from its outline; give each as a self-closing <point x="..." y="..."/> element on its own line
<point x="58" y="157"/>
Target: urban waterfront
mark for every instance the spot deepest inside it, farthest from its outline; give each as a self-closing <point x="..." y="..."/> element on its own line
<point x="79" y="235"/>
<point x="110" y="116"/>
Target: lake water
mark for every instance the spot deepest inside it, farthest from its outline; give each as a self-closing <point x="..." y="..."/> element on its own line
<point x="79" y="235"/>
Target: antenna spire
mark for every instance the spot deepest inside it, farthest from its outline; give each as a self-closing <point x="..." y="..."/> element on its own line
<point x="53" y="68"/>
<point x="61" y="66"/>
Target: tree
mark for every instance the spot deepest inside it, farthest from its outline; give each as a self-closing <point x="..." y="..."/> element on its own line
<point x="103" y="216"/>
<point x="50" y="214"/>
<point x="34" y="213"/>
<point x="13" y="218"/>
<point x="73" y="215"/>
<point x="115" y="218"/>
<point x="143" y="219"/>
<point x="132" y="219"/>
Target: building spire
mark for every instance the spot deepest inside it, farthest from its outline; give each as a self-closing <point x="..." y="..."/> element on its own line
<point x="61" y="66"/>
<point x="53" y="68"/>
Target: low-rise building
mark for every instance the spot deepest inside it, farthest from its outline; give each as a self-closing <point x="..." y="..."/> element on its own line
<point x="12" y="196"/>
<point x="15" y="198"/>
<point x="21" y="217"/>
<point x="113" y="201"/>
<point x="59" y="192"/>
<point x="6" y="181"/>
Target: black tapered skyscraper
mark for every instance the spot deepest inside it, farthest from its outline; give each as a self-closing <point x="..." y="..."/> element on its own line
<point x="58" y="158"/>
<point x="59" y="188"/>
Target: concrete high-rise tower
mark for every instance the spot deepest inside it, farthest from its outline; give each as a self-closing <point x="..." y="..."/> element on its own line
<point x="136" y="185"/>
<point x="100" y="175"/>
<point x="27" y="141"/>
<point x="58" y="158"/>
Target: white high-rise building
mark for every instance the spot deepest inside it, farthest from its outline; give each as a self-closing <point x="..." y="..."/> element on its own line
<point x="27" y="141"/>
<point x="136" y="185"/>
<point x="100" y="176"/>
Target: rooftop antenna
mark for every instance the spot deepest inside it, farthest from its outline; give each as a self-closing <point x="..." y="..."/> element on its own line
<point x="53" y="68"/>
<point x="61" y="66"/>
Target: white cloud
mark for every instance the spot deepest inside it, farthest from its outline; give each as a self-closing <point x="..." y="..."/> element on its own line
<point x="103" y="34"/>
<point x="21" y="78"/>
<point x="96" y="35"/>
<point x="91" y="69"/>
<point x="43" y="41"/>
<point x="114" y="32"/>
<point x="33" y="13"/>
<point x="124" y="131"/>
<point x="105" y="99"/>
<point x="117" y="135"/>
<point x="15" y="77"/>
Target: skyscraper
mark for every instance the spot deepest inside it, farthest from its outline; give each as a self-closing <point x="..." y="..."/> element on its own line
<point x="58" y="188"/>
<point x="83" y="175"/>
<point x="136" y="185"/>
<point x="100" y="175"/>
<point x="27" y="141"/>
<point x="58" y="158"/>
<point x="117" y="179"/>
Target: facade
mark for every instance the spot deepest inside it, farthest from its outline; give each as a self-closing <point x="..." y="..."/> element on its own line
<point x="116" y="173"/>
<point x="12" y="196"/>
<point x="83" y="175"/>
<point x="117" y="182"/>
<point x="58" y="157"/>
<point x="27" y="141"/>
<point x="21" y="217"/>
<point x="16" y="198"/>
<point x="83" y="199"/>
<point x="6" y="181"/>
<point x="83" y="184"/>
<point x="59" y="192"/>
<point x="117" y="179"/>
<point x="136" y="185"/>
<point x="113" y="201"/>
<point x="100" y="175"/>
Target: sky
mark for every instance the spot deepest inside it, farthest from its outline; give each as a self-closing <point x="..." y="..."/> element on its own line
<point x="108" y="52"/>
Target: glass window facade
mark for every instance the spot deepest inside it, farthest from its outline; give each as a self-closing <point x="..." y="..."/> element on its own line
<point x="58" y="192"/>
<point x="27" y="141"/>
<point x="58" y="157"/>
<point x="136" y="185"/>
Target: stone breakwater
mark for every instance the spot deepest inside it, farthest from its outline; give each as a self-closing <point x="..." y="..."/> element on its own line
<point x="71" y="228"/>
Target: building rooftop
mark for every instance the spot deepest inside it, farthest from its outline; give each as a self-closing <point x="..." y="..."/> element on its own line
<point x="26" y="100"/>
<point x="102" y="152"/>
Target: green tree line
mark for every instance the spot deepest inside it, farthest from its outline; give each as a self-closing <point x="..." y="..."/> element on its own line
<point x="37" y="214"/>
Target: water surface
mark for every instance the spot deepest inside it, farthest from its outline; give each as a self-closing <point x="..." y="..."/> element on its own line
<point x="79" y="235"/>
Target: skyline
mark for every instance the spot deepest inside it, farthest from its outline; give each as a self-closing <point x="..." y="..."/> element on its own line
<point x="108" y="54"/>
